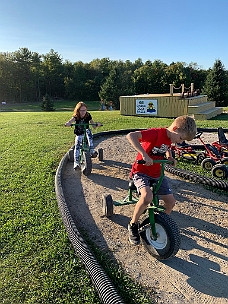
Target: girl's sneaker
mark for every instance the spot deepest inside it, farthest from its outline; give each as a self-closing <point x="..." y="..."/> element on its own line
<point x="76" y="165"/>
<point x="93" y="153"/>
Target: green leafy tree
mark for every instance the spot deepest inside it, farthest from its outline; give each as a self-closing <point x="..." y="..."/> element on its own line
<point x="119" y="82"/>
<point x="109" y="90"/>
<point x="150" y="77"/>
<point x="53" y="74"/>
<point x="216" y="85"/>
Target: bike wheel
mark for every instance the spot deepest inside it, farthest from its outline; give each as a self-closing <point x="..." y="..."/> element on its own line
<point x="168" y="236"/>
<point x="107" y="205"/>
<point x="86" y="163"/>
<point x="100" y="154"/>
<point x="220" y="171"/>
<point x="208" y="164"/>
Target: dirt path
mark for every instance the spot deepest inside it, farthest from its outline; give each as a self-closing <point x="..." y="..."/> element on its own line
<point x="199" y="271"/>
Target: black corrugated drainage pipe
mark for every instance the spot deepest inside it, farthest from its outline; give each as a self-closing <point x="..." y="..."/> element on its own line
<point x="101" y="281"/>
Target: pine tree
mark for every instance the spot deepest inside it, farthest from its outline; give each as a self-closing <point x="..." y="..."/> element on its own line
<point x="216" y="85"/>
<point x="47" y="104"/>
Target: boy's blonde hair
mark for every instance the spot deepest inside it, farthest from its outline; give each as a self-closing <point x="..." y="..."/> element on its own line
<point x="186" y="124"/>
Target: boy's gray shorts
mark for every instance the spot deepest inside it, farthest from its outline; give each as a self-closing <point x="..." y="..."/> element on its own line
<point x="142" y="180"/>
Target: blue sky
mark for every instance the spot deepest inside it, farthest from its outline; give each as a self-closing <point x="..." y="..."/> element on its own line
<point x="179" y="30"/>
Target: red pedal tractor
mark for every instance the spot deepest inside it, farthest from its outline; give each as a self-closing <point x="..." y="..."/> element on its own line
<point x="187" y="152"/>
<point x="212" y="155"/>
<point x="222" y="143"/>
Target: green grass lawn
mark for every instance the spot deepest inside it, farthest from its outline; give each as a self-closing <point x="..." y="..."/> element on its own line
<point x="38" y="263"/>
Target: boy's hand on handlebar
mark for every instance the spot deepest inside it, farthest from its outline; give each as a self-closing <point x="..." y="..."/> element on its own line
<point x="98" y="124"/>
<point x="147" y="161"/>
<point x="172" y="160"/>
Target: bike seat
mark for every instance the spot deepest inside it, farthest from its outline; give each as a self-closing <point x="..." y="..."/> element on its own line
<point x="131" y="185"/>
<point x="213" y="149"/>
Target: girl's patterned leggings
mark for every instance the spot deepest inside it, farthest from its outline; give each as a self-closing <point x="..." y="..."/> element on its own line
<point x="78" y="143"/>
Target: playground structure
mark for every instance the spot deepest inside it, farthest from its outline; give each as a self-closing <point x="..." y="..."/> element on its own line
<point x="188" y="101"/>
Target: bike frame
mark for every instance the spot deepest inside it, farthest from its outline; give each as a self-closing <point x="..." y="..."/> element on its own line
<point x="154" y="206"/>
<point x="84" y="146"/>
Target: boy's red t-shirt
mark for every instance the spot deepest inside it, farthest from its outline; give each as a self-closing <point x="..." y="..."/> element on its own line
<point x="155" y="142"/>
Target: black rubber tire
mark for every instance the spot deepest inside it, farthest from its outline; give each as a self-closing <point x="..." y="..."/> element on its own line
<point x="100" y="154"/>
<point x="107" y="205"/>
<point x="200" y="158"/>
<point x="168" y="242"/>
<point x="220" y="171"/>
<point x="208" y="164"/>
<point x="86" y="163"/>
<point x="224" y="160"/>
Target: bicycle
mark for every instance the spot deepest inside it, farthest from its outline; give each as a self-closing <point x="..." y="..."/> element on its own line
<point x="85" y="158"/>
<point x="159" y="232"/>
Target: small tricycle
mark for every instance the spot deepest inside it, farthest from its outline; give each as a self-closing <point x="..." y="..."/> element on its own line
<point x="159" y="232"/>
<point x="85" y="160"/>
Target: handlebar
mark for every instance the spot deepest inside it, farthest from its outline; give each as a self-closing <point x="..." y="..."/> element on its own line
<point x="86" y="124"/>
<point x="162" y="161"/>
<point x="198" y="134"/>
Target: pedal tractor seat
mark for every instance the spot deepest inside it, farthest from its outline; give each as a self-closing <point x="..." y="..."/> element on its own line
<point x="183" y="145"/>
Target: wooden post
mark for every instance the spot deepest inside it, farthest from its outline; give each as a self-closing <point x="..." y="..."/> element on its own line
<point x="192" y="88"/>
<point x="171" y="89"/>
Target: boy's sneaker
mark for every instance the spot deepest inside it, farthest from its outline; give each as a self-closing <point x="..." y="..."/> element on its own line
<point x="93" y="153"/>
<point x="134" y="237"/>
<point x="76" y="165"/>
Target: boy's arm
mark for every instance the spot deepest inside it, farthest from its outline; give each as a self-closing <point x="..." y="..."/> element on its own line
<point x="68" y="123"/>
<point x="169" y="157"/>
<point x="134" y="139"/>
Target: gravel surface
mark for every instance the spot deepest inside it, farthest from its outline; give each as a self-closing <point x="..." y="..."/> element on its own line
<point x="198" y="273"/>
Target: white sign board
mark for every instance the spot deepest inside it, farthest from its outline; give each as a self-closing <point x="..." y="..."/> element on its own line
<point x="147" y="106"/>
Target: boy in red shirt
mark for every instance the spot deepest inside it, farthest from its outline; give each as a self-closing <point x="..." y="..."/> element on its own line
<point x="154" y="144"/>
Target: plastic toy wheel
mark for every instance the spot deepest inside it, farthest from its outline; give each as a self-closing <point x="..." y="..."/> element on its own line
<point x="168" y="237"/>
<point x="86" y="163"/>
<point x="107" y="205"/>
<point x="220" y="171"/>
<point x="200" y="158"/>
<point x="100" y="154"/>
<point x="71" y="155"/>
<point x="208" y="164"/>
<point x="224" y="160"/>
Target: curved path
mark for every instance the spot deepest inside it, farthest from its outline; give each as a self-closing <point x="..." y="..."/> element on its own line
<point x="198" y="273"/>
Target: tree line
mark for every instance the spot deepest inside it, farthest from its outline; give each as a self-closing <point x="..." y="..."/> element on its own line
<point x="27" y="76"/>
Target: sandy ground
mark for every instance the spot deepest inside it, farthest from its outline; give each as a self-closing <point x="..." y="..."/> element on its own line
<point x="199" y="271"/>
